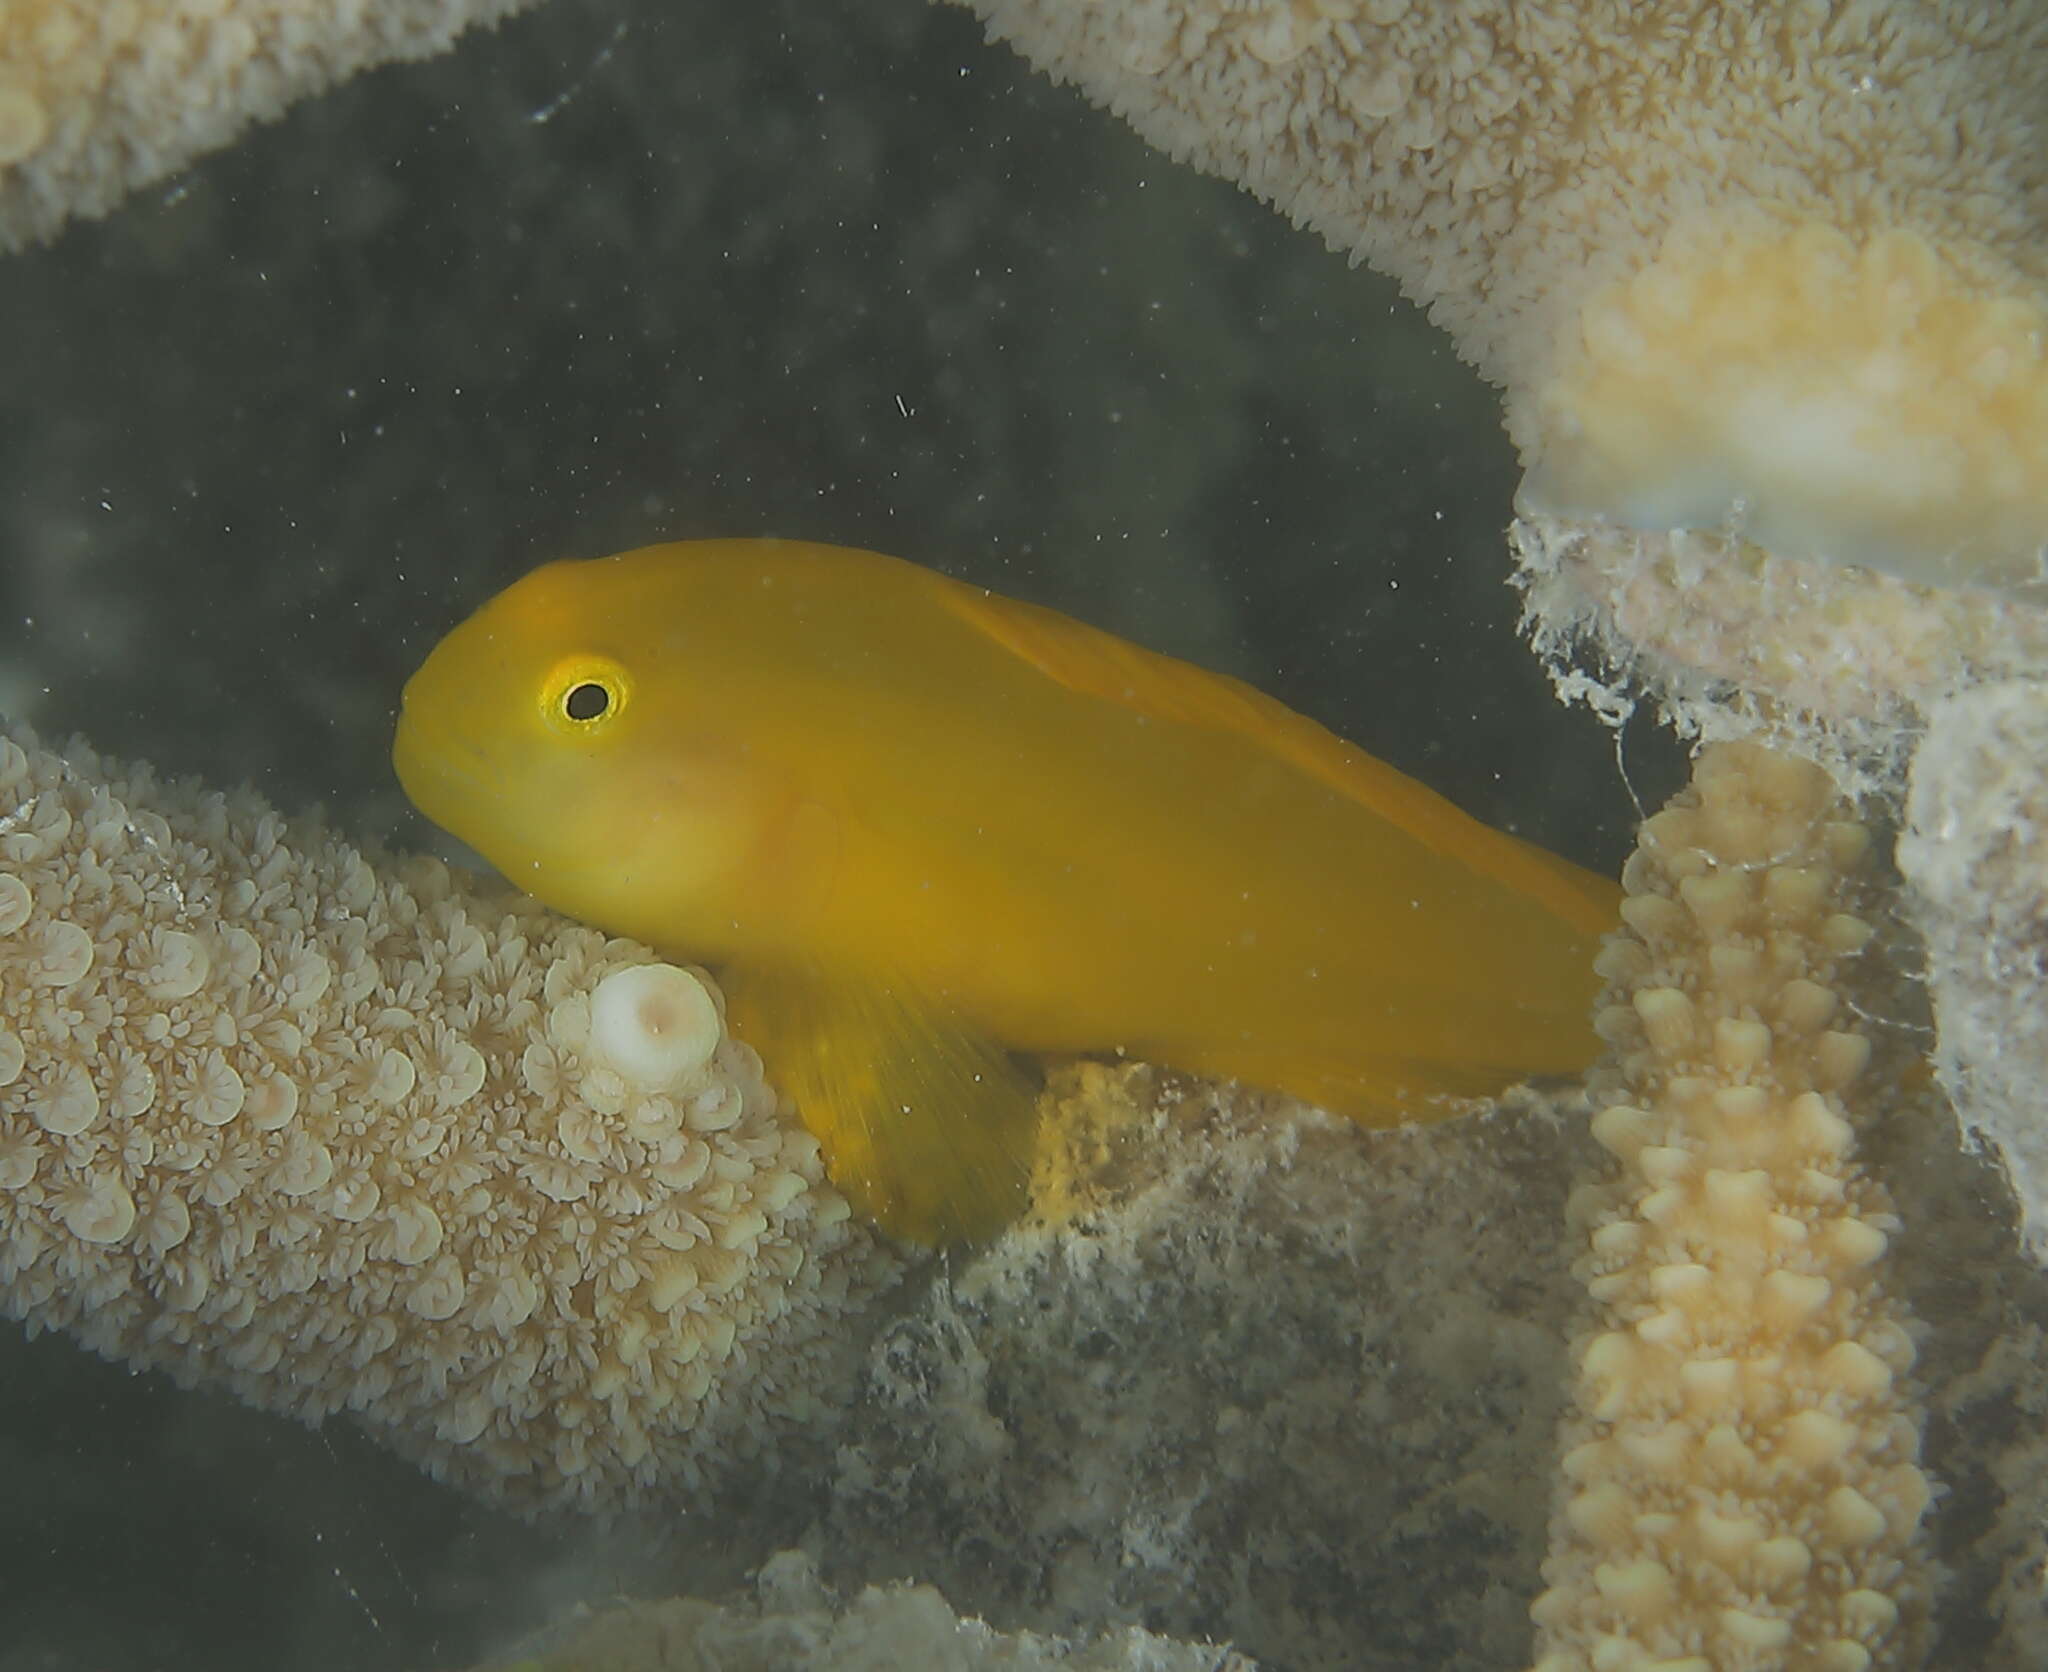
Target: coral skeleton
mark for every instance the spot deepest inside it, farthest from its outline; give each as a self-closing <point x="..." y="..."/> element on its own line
<point x="1774" y="264"/>
<point x="1741" y="1485"/>
<point x="341" y="1135"/>
<point x="99" y="97"/>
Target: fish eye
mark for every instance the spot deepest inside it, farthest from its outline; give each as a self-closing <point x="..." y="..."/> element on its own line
<point x="583" y="693"/>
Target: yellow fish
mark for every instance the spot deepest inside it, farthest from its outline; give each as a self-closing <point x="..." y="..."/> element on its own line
<point x="923" y="826"/>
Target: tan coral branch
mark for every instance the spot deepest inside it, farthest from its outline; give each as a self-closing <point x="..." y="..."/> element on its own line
<point x="384" y="1141"/>
<point x="1741" y="1484"/>
<point x="98" y="97"/>
<point x="1777" y="269"/>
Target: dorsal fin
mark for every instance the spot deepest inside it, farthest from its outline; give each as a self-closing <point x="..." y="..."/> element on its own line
<point x="1094" y="663"/>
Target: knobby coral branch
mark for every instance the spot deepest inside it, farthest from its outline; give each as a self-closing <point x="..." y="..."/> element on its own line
<point x="339" y="1134"/>
<point x="1741" y="1484"/>
<point x="1778" y="263"/>
<point x="98" y="97"/>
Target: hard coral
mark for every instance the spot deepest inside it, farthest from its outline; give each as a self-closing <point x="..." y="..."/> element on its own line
<point x="343" y="1137"/>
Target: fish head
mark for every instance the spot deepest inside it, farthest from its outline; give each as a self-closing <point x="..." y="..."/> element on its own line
<point x="564" y="733"/>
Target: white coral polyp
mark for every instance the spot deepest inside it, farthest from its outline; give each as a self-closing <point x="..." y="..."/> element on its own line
<point x="654" y="1024"/>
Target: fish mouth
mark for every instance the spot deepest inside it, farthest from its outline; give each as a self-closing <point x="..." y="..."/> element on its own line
<point x="462" y="790"/>
<point x="443" y="773"/>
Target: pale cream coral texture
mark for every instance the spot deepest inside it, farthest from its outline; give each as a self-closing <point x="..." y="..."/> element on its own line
<point x="1777" y="267"/>
<point x="337" y="1138"/>
<point x="795" y="1624"/>
<point x="1741" y="1488"/>
<point x="1974" y="855"/>
<point x="98" y="97"/>
<point x="1683" y="612"/>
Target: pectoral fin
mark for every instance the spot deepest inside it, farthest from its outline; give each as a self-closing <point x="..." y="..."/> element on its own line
<point x="928" y="1125"/>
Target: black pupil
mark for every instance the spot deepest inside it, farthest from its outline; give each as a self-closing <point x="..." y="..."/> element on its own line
<point x="586" y="701"/>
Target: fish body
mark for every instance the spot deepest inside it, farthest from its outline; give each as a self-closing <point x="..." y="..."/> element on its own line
<point x="923" y="825"/>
